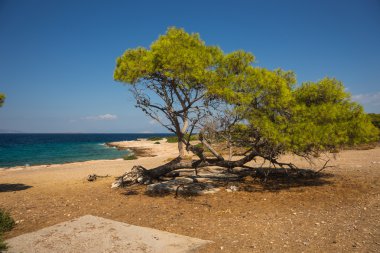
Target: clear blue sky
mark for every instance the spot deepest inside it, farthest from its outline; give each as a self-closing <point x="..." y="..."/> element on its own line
<point x="57" y="57"/>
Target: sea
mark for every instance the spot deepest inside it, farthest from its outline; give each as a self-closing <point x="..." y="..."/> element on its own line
<point x="39" y="149"/>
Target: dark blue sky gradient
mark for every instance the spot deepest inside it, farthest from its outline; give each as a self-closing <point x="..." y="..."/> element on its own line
<point x="57" y="57"/>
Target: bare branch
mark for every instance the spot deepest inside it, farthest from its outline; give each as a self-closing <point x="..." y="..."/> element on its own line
<point x="324" y="167"/>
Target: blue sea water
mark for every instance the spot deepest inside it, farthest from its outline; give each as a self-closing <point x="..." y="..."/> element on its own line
<point x="37" y="149"/>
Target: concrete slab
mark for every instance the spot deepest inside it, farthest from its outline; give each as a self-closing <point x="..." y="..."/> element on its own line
<point x="94" y="234"/>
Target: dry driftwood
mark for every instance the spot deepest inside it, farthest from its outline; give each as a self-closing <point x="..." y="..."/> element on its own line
<point x="93" y="177"/>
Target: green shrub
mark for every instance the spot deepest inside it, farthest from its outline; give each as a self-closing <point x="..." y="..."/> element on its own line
<point x="6" y="221"/>
<point x="130" y="157"/>
<point x="174" y="139"/>
<point x="3" y="246"/>
<point x="199" y="145"/>
<point x="6" y="224"/>
<point x="155" y="138"/>
<point x="157" y="142"/>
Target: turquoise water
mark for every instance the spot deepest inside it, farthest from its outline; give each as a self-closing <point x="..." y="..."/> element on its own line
<point x="37" y="149"/>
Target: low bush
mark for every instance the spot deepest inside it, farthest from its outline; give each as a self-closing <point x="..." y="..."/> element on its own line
<point x="6" y="221"/>
<point x="6" y="224"/>
<point x="155" y="138"/>
<point x="199" y="145"/>
<point x="130" y="157"/>
<point x="3" y="245"/>
<point x="174" y="139"/>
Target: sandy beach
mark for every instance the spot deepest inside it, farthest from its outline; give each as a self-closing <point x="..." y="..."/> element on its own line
<point x="337" y="212"/>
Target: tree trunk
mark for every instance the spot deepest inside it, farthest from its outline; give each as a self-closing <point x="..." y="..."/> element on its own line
<point x="181" y="134"/>
<point x="181" y="149"/>
<point x="140" y="175"/>
<point x="229" y="145"/>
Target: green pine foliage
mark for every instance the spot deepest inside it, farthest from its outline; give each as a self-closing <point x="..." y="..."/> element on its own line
<point x="175" y="55"/>
<point x="277" y="115"/>
<point x="375" y="119"/>
<point x="330" y="117"/>
<point x="2" y="98"/>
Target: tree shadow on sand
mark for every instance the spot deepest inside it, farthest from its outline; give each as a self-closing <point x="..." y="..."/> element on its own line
<point x="13" y="187"/>
<point x="279" y="181"/>
<point x="262" y="180"/>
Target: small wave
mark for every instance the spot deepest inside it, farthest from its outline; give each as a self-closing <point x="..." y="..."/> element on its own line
<point x="107" y="146"/>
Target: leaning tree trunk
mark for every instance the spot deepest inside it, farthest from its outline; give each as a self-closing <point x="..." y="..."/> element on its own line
<point x="141" y="175"/>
